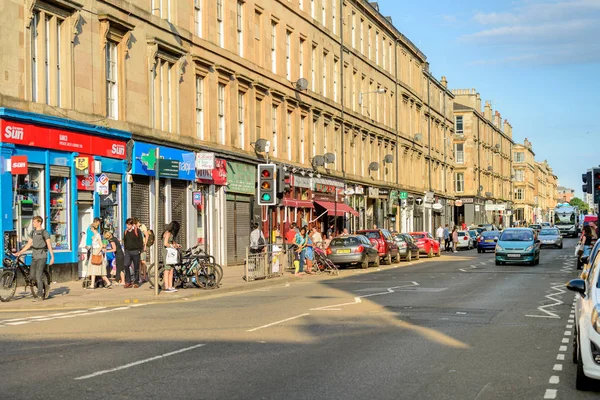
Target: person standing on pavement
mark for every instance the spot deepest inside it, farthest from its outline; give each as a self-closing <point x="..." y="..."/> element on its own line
<point x="133" y="242"/>
<point x="144" y="254"/>
<point x="439" y="234"/>
<point x="168" y="238"/>
<point x="446" y="238"/>
<point x="257" y="240"/>
<point x="89" y="236"/>
<point x="40" y="242"/>
<point x="97" y="269"/>
<point x="301" y="241"/>
<point x="115" y="247"/>
<point x="454" y="239"/>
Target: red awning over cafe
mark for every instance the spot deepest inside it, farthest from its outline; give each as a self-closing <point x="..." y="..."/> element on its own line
<point x="337" y="209"/>
<point x="298" y="203"/>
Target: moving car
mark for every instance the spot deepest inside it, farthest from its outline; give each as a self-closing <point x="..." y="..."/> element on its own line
<point x="407" y="247"/>
<point x="546" y="225"/>
<point x="427" y="244"/>
<point x="352" y="250"/>
<point x="550" y="237"/>
<point x="536" y="228"/>
<point x="465" y="241"/>
<point x="586" y="335"/>
<point x="518" y="245"/>
<point x="487" y="241"/>
<point x="386" y="245"/>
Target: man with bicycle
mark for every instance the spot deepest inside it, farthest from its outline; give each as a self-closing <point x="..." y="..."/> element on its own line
<point x="40" y="242"/>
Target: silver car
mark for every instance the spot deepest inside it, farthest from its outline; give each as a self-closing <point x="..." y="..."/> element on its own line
<point x="550" y="237"/>
<point x="352" y="250"/>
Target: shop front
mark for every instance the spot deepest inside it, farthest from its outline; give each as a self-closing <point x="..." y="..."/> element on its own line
<point x="330" y="206"/>
<point x="176" y="171"/>
<point x="240" y="199"/>
<point x="357" y="200"/>
<point x="65" y="172"/>
<point x="211" y="216"/>
<point x="297" y="205"/>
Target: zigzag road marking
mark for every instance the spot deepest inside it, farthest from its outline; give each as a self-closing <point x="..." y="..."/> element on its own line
<point x="358" y="300"/>
<point x="559" y="290"/>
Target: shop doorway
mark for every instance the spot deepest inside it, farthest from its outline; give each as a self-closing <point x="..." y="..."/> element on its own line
<point x="84" y="220"/>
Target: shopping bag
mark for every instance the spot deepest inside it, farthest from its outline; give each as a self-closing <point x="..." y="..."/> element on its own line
<point x="97" y="259"/>
<point x="578" y="250"/>
<point x="172" y="256"/>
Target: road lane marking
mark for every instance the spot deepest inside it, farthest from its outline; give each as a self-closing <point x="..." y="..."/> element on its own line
<point x="559" y="290"/>
<point x="550" y="394"/>
<point x="64" y="315"/>
<point x="557" y="367"/>
<point x="277" y="322"/>
<point x="133" y="364"/>
<point x="562" y="348"/>
<point x="560" y="357"/>
<point x="554" y="380"/>
<point x="567" y="333"/>
<point x="569" y="326"/>
<point x="565" y="340"/>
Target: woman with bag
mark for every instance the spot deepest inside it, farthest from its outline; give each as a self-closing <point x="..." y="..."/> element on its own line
<point x="586" y="241"/>
<point x="301" y="241"/>
<point x="170" y="254"/>
<point x="119" y="256"/>
<point x="454" y="239"/>
<point x="96" y="266"/>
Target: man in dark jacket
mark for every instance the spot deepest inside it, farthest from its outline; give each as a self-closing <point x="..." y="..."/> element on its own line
<point x="133" y="243"/>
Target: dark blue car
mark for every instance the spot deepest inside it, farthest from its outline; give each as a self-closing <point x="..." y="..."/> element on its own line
<point x="487" y="241"/>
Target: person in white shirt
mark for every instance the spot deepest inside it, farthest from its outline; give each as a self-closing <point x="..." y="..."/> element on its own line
<point x="439" y="234"/>
<point x="257" y="240"/>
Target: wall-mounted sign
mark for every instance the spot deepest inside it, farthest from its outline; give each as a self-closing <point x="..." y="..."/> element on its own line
<point x="437" y="206"/>
<point x="467" y="200"/>
<point x="102" y="185"/>
<point x="168" y="168"/>
<point x="359" y="190"/>
<point x="26" y="208"/>
<point x="495" y="207"/>
<point x="82" y="166"/>
<point x="197" y="198"/>
<point x="205" y="161"/>
<point x="86" y="182"/>
<point x="429" y="197"/>
<point x="458" y="203"/>
<point x="142" y="163"/>
<point x="216" y="176"/>
<point x="18" y="165"/>
<point x="418" y="200"/>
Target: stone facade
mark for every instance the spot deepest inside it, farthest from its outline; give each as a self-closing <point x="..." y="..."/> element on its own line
<point x="565" y="195"/>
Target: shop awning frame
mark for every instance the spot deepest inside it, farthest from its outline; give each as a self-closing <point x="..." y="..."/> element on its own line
<point x="337" y="209"/>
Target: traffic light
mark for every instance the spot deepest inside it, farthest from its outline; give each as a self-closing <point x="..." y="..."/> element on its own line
<point x="596" y="172"/>
<point x="283" y="181"/>
<point x="587" y="182"/>
<point x="267" y="185"/>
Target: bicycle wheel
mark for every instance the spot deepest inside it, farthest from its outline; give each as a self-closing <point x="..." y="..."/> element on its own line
<point x="219" y="273"/>
<point x="8" y="285"/>
<point x="206" y="276"/>
<point x="151" y="275"/>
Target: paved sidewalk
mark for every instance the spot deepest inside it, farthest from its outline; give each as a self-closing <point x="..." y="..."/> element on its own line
<point x="73" y="295"/>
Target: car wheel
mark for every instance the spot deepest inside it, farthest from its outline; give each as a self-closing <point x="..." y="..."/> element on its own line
<point x="397" y="258"/>
<point x="498" y="262"/>
<point x="439" y="252"/>
<point x="479" y="251"/>
<point x="561" y="246"/>
<point x="377" y="262"/>
<point x="418" y="256"/>
<point x="387" y="260"/>
<point x="582" y="382"/>
<point x="408" y="256"/>
<point x="430" y="253"/>
<point x="365" y="263"/>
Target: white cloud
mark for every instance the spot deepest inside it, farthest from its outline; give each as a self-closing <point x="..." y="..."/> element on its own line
<point x="540" y="32"/>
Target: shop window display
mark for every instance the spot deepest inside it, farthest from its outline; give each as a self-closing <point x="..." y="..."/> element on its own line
<point x="28" y="202"/>
<point x="109" y="208"/>
<point x="59" y="212"/>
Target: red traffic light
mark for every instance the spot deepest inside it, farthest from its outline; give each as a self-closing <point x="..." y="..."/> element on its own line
<point x="265" y="173"/>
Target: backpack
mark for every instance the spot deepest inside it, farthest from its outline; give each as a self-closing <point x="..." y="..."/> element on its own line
<point x="151" y="238"/>
<point x="260" y="244"/>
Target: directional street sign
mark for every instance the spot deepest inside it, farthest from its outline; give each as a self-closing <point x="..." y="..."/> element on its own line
<point x="168" y="168"/>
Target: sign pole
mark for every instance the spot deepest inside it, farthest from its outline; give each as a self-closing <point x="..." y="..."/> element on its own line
<point x="157" y="199"/>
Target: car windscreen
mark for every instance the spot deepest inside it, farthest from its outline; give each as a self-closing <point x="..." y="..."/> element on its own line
<point x="371" y="235"/>
<point x="545" y="232"/>
<point x="345" y="242"/>
<point x="516" y="236"/>
<point x="417" y="235"/>
<point x="400" y="238"/>
<point x="535" y="226"/>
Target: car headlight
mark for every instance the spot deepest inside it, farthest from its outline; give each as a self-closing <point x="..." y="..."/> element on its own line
<point x="529" y="248"/>
<point x="499" y="248"/>
<point x="595" y="320"/>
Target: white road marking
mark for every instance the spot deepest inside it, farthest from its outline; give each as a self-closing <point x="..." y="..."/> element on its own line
<point x="562" y="348"/>
<point x="571" y="321"/>
<point x="133" y="364"/>
<point x="569" y="326"/>
<point x="554" y="380"/>
<point x="557" y="367"/>
<point x="70" y="314"/>
<point x="550" y="394"/>
<point x="277" y="322"/>
<point x="559" y="290"/>
<point x="18" y="323"/>
<point x="567" y="333"/>
<point x="565" y="340"/>
<point x="560" y="357"/>
<point x="462" y="269"/>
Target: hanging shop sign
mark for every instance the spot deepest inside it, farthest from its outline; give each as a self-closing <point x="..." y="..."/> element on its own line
<point x="359" y="190"/>
<point x="205" y="161"/>
<point x="241" y="178"/>
<point x="18" y="165"/>
<point x="437" y="206"/>
<point x="58" y="139"/>
<point x="373" y="192"/>
<point x="143" y="162"/>
<point x="102" y="184"/>
<point x="458" y="203"/>
<point x="197" y="198"/>
<point x="215" y="176"/>
<point x="429" y="197"/>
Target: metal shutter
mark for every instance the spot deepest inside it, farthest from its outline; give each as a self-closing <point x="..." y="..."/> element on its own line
<point x="242" y="228"/>
<point x="63" y="172"/>
<point x="160" y="229"/>
<point x="140" y="195"/>
<point x="179" y="209"/>
<point x="231" y="252"/>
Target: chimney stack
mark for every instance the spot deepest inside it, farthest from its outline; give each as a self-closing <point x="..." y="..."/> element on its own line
<point x="487" y="111"/>
<point x="444" y="82"/>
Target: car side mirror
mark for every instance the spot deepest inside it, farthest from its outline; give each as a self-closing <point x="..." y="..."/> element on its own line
<point x="577" y="285"/>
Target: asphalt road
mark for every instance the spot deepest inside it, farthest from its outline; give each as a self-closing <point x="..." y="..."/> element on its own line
<point x="457" y="327"/>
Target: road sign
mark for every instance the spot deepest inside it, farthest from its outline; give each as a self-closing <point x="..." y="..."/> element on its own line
<point x="403" y="195"/>
<point x="168" y="168"/>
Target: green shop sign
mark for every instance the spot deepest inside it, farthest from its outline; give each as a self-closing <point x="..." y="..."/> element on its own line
<point x="241" y="178"/>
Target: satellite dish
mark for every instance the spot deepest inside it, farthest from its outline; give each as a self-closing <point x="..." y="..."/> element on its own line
<point x="301" y="84"/>
<point x="329" y="158"/>
<point x="318" y="161"/>
<point x="418" y="137"/>
<point x="374" y="166"/>
<point x="388" y="159"/>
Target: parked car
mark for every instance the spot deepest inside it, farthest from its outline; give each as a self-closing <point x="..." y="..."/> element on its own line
<point x="518" y="245"/>
<point x="352" y="250"/>
<point x="487" y="241"/>
<point x="475" y="236"/>
<point x="427" y="244"/>
<point x="546" y="225"/>
<point x="488" y="227"/>
<point x="407" y="247"/>
<point x="586" y="335"/>
<point x="387" y="247"/>
<point x="550" y="237"/>
<point x="465" y="241"/>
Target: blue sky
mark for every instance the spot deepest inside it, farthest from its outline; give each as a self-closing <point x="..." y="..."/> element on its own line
<point x="538" y="61"/>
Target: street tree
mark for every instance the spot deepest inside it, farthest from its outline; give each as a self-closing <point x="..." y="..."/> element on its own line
<point x="582" y="205"/>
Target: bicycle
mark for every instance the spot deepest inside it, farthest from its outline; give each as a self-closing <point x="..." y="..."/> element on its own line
<point x="8" y="279"/>
<point x="196" y="267"/>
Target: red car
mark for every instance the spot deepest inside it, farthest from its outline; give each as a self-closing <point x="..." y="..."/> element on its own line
<point x="384" y="243"/>
<point x="427" y="244"/>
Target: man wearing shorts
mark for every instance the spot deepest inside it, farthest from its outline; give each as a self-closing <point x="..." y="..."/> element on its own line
<point x="40" y="242"/>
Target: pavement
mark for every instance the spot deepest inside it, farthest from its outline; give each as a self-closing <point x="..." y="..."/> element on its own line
<point x="455" y="327"/>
